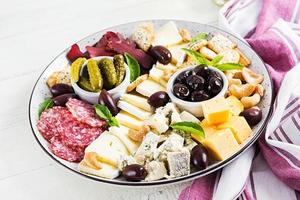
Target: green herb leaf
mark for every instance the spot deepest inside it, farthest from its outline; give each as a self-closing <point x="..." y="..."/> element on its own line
<point x="229" y="66"/>
<point x="190" y="127"/>
<point x="134" y="67"/>
<point x="103" y="112"/>
<point x="46" y="104"/>
<point x="216" y="60"/>
<point x="200" y="36"/>
<point x="198" y="57"/>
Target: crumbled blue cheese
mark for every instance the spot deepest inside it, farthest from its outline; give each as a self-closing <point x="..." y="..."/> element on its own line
<point x="179" y="163"/>
<point x="125" y="160"/>
<point x="147" y="148"/>
<point x="156" y="170"/>
<point x="159" y="122"/>
<point x="173" y="143"/>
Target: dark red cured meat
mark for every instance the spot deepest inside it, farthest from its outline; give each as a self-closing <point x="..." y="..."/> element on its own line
<point x="61" y="150"/>
<point x="75" y="53"/>
<point x="84" y="112"/>
<point x="112" y="43"/>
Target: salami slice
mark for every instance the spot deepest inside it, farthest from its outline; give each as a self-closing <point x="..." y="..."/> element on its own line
<point x="84" y="112"/>
<point x="62" y="151"/>
<point x="68" y="137"/>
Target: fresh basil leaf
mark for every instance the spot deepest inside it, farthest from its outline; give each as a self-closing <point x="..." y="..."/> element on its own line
<point x="104" y="113"/>
<point x="190" y="127"/>
<point x="196" y="56"/>
<point x="46" y="104"/>
<point x="229" y="66"/>
<point x="199" y="36"/>
<point x="216" y="60"/>
<point x="134" y="67"/>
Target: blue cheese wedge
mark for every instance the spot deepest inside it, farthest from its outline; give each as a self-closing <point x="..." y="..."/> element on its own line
<point x="167" y="34"/>
<point x="156" y="170"/>
<point x="173" y="143"/>
<point x="179" y="163"/>
<point x="159" y="122"/>
<point x="147" y="147"/>
<point x="132" y="109"/>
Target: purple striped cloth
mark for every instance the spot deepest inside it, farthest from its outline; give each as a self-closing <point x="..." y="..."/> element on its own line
<point x="271" y="169"/>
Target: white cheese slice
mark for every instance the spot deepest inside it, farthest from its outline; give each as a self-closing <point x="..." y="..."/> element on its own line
<point x="138" y="101"/>
<point x="156" y="74"/>
<point x="178" y="55"/>
<point x="108" y="147"/>
<point x="107" y="171"/>
<point x="148" y="87"/>
<point x="188" y="117"/>
<point x="129" y="120"/>
<point x="167" y="34"/>
<point x="122" y="133"/>
<point x="169" y="66"/>
<point x="139" y="113"/>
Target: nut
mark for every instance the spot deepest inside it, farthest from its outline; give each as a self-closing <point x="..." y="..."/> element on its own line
<point x="240" y="91"/>
<point x="243" y="58"/>
<point x="135" y="83"/>
<point x="259" y="89"/>
<point x="138" y="135"/>
<point x="234" y="81"/>
<point x="234" y="73"/>
<point x="92" y="160"/>
<point x="252" y="77"/>
<point x="185" y="34"/>
<point x="251" y="101"/>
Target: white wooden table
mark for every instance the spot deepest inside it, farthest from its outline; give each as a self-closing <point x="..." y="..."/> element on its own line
<point x="32" y="33"/>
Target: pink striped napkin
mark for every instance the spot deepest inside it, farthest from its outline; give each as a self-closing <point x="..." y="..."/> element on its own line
<point x="271" y="170"/>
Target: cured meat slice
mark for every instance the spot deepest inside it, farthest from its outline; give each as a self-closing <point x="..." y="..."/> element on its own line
<point x="65" y="152"/>
<point x="84" y="112"/>
<point x="50" y="122"/>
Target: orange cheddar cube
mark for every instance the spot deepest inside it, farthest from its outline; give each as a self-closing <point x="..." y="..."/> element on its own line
<point x="216" y="111"/>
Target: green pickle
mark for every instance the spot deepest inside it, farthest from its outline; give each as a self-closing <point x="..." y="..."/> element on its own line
<point x="85" y="84"/>
<point x="109" y="72"/>
<point x="75" y="69"/>
<point x="120" y="68"/>
<point x="95" y="76"/>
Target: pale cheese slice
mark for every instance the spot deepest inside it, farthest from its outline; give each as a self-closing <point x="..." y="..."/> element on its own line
<point x="128" y="120"/>
<point x="138" y="101"/>
<point x="167" y="34"/>
<point x="122" y="133"/>
<point x="107" y="171"/>
<point x="148" y="87"/>
<point x="139" y="113"/>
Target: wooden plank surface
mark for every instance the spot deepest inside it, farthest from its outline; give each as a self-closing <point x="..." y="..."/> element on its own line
<point x="32" y="33"/>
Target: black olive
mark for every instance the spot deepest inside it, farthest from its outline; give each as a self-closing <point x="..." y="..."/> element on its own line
<point x="134" y="172"/>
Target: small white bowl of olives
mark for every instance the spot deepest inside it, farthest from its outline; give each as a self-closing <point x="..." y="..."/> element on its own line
<point x="93" y="96"/>
<point x="191" y="86"/>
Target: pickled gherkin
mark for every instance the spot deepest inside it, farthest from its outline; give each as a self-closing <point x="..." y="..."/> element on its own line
<point x="75" y="69"/>
<point x="120" y="68"/>
<point x="85" y="84"/>
<point x="109" y="72"/>
<point x="95" y="76"/>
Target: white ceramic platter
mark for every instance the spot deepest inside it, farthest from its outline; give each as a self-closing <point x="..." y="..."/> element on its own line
<point x="40" y="91"/>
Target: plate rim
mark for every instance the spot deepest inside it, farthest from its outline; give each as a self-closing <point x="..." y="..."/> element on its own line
<point x="191" y="176"/>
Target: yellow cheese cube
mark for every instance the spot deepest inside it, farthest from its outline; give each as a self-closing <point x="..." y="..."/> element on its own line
<point x="235" y="105"/>
<point x="221" y="145"/>
<point x="216" y="111"/>
<point x="239" y="127"/>
<point x="208" y="130"/>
